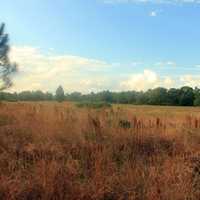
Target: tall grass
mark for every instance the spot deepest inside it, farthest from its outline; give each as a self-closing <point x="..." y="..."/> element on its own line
<point x="93" y="105"/>
<point x="59" y="151"/>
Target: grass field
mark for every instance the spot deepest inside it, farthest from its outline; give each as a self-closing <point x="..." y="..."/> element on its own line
<point x="56" y="151"/>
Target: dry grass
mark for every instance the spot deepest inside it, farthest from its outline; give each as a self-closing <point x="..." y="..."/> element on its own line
<point x="57" y="151"/>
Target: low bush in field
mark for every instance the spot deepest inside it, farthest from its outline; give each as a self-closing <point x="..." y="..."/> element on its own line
<point x="124" y="124"/>
<point x="93" y="105"/>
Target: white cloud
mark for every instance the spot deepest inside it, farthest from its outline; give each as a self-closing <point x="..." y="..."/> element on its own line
<point x="46" y="71"/>
<point x="168" y="82"/>
<point x="153" y="14"/>
<point x="146" y="80"/>
<point x="40" y="71"/>
<point x="166" y="63"/>
<point x="190" y="80"/>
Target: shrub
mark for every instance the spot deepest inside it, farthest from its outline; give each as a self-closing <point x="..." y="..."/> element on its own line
<point x="125" y="124"/>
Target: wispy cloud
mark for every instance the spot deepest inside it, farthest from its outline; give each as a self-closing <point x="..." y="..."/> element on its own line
<point x="175" y="2"/>
<point x="153" y="14"/>
<point x="166" y="63"/>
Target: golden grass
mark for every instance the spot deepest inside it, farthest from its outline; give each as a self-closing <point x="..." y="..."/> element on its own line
<point x="55" y="151"/>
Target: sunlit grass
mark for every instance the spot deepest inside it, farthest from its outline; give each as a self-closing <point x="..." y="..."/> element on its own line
<point x="61" y="151"/>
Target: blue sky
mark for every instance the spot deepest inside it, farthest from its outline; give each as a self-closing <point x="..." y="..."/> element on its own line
<point x="104" y="44"/>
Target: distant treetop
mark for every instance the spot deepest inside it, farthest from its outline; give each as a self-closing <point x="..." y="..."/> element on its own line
<point x="60" y="94"/>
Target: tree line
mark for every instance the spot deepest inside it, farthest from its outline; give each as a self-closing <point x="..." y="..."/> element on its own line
<point x="184" y="96"/>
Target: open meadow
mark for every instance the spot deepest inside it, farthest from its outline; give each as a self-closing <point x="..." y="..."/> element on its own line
<point x="57" y="151"/>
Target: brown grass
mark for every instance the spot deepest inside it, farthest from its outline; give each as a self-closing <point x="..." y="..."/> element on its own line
<point x="57" y="151"/>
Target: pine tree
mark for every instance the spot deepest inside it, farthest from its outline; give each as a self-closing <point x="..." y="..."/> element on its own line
<point x="6" y="68"/>
<point x="60" y="95"/>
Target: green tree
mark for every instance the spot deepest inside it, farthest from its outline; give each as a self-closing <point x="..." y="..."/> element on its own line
<point x="197" y="101"/>
<point x="196" y="96"/>
<point x="141" y="98"/>
<point x="105" y="96"/>
<point x="48" y="96"/>
<point x="38" y="95"/>
<point x="74" y="96"/>
<point x="6" y="68"/>
<point x="60" y="95"/>
<point x="186" y="96"/>
<point x="173" y="96"/>
<point x="157" y="96"/>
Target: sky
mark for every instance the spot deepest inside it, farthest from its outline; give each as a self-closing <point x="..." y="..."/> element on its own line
<point x="94" y="45"/>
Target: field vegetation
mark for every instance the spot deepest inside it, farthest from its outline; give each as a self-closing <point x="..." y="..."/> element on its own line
<point x="56" y="151"/>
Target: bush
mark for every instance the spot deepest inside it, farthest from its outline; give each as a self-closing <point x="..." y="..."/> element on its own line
<point x="125" y="124"/>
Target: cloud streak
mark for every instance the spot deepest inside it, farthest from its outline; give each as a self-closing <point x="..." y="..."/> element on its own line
<point x="175" y="2"/>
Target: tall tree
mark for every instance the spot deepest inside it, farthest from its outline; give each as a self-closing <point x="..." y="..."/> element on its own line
<point x="157" y="96"/>
<point x="197" y="96"/>
<point x="60" y="95"/>
<point x="173" y="96"/>
<point x="186" y="96"/>
<point x="6" y="67"/>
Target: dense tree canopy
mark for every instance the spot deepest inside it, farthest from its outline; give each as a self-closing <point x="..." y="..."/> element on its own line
<point x="185" y="96"/>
